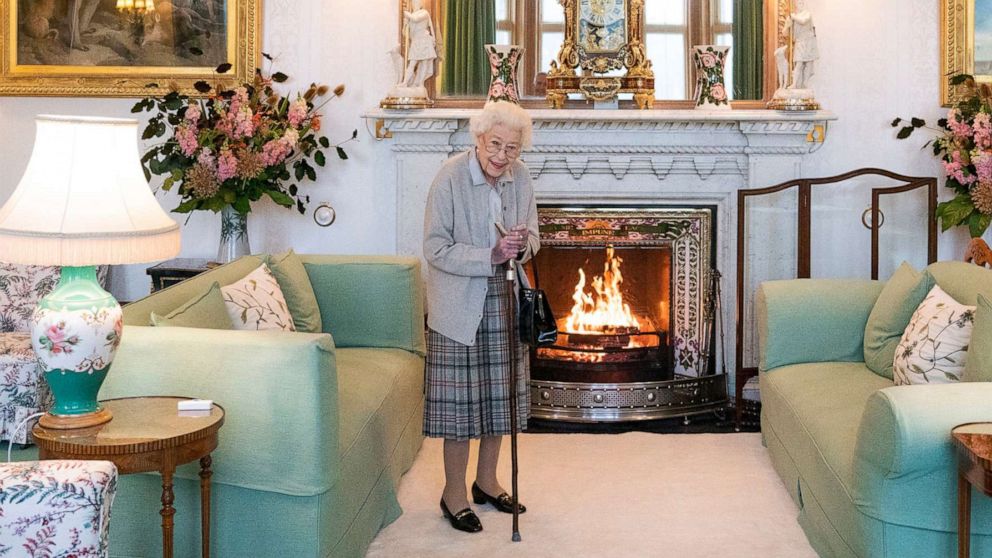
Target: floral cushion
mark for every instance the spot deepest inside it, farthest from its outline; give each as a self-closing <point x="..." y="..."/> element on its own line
<point x="256" y="302"/>
<point x="23" y="390"/>
<point x="56" y="508"/>
<point x="934" y="347"/>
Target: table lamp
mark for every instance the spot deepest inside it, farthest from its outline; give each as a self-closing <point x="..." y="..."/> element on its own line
<point x="83" y="201"/>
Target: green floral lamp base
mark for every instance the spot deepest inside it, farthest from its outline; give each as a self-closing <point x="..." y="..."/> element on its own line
<point x="75" y="334"/>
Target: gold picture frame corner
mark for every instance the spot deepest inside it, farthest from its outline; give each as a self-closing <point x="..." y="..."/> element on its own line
<point x="243" y="32"/>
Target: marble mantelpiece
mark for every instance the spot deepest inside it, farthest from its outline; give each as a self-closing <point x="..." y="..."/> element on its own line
<point x="642" y="157"/>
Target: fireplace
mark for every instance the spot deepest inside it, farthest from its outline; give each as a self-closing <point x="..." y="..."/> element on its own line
<point x="597" y="158"/>
<point x="630" y="290"/>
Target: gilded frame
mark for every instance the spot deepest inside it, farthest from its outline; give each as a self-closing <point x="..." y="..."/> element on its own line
<point x="242" y="19"/>
<point x="957" y="46"/>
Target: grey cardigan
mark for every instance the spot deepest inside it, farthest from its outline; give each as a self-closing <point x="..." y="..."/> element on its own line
<point x="456" y="241"/>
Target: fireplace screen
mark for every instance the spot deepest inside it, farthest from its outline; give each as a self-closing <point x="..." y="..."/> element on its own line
<point x="628" y="288"/>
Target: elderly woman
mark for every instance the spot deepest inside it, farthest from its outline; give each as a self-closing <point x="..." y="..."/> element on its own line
<point x="468" y="338"/>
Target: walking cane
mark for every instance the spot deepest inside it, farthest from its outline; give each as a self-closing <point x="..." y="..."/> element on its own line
<point x="511" y="312"/>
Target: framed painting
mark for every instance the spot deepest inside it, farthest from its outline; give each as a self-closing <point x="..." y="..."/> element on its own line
<point x="116" y="48"/>
<point x="966" y="43"/>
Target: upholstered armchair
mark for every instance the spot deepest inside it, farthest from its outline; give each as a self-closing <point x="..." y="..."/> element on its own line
<point x="23" y="390"/>
<point x="56" y="508"/>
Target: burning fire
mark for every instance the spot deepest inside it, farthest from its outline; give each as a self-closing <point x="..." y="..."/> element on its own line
<point x="603" y="310"/>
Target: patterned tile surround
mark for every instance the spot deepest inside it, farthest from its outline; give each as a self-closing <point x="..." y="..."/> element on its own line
<point x="664" y="157"/>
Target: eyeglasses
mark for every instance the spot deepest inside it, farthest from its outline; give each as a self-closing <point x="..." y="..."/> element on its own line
<point x="494" y="147"/>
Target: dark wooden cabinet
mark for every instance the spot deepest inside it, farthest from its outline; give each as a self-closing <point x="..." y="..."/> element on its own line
<point x="170" y="272"/>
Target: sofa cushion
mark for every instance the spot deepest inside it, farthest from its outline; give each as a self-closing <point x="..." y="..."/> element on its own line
<point x="295" y="284"/>
<point x="364" y="300"/>
<point x="963" y="281"/>
<point x="979" y="365"/>
<point x="255" y="302"/>
<point x="900" y="297"/>
<point x="821" y="320"/>
<point x="206" y="310"/>
<point x="934" y="347"/>
<point x="814" y="410"/>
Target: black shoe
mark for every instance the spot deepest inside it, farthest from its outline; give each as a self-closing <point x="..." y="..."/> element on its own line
<point x="503" y="502"/>
<point x="465" y="520"/>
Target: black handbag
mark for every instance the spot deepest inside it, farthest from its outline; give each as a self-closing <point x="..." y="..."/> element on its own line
<point x="537" y="323"/>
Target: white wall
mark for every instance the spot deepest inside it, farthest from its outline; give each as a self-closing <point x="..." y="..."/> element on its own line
<point x="874" y="65"/>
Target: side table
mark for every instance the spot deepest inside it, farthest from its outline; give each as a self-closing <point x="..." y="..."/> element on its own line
<point x="973" y="442"/>
<point x="174" y="271"/>
<point x="146" y="434"/>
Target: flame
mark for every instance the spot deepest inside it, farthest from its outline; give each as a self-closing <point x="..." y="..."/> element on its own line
<point x="603" y="310"/>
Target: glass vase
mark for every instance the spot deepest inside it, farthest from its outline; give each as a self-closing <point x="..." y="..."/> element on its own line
<point x="233" y="235"/>
<point x="503" y="60"/>
<point x="711" y="93"/>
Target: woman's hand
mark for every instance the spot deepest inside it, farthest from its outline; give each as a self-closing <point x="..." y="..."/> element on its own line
<point x="507" y="247"/>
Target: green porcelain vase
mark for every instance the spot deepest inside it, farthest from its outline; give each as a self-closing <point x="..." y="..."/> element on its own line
<point x="75" y="333"/>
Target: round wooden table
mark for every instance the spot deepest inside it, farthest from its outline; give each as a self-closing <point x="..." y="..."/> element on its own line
<point x="974" y="448"/>
<point x="146" y="434"/>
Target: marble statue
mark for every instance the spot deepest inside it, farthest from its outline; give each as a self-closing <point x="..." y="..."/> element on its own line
<point x="804" y="51"/>
<point x="801" y="34"/>
<point x="414" y="60"/>
<point x="420" y="49"/>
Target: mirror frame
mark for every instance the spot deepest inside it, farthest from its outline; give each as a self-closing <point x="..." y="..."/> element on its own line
<point x="776" y="14"/>
<point x="957" y="46"/>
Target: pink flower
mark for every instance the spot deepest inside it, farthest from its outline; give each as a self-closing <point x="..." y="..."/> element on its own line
<point x="193" y="113"/>
<point x="707" y="59"/>
<point x="55" y="334"/>
<point x="297" y="112"/>
<point x="960" y="129"/>
<point x="243" y="125"/>
<point x="955" y="169"/>
<point x="718" y="92"/>
<point x="496" y="90"/>
<point x="227" y="165"/>
<point x="186" y="136"/>
<point x="206" y="157"/>
<point x="983" y="166"/>
<point x="982" y="126"/>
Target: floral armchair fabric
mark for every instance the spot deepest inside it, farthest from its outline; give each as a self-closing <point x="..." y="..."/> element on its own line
<point x="23" y="390"/>
<point x="56" y="509"/>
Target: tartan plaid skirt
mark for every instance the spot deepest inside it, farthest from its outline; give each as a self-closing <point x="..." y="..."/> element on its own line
<point x="466" y="388"/>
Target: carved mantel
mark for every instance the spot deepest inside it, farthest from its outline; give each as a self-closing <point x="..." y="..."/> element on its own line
<point x="644" y="157"/>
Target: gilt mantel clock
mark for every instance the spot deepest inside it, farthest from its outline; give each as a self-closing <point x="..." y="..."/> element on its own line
<point x="601" y="36"/>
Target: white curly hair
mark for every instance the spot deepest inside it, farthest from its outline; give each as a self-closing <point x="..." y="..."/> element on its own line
<point x="506" y="113"/>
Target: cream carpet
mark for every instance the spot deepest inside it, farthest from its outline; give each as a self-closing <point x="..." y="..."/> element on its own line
<point x="635" y="494"/>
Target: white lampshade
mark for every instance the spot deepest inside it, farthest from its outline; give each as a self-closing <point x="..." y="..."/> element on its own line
<point x="84" y="200"/>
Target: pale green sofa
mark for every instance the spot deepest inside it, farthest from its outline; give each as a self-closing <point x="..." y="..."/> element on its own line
<point x="870" y="465"/>
<point x="319" y="428"/>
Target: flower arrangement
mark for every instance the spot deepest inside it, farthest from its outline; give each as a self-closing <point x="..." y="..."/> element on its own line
<point x="238" y="143"/>
<point x="964" y="146"/>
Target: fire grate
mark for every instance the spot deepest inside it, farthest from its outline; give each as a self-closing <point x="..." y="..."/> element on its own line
<point x="647" y="353"/>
